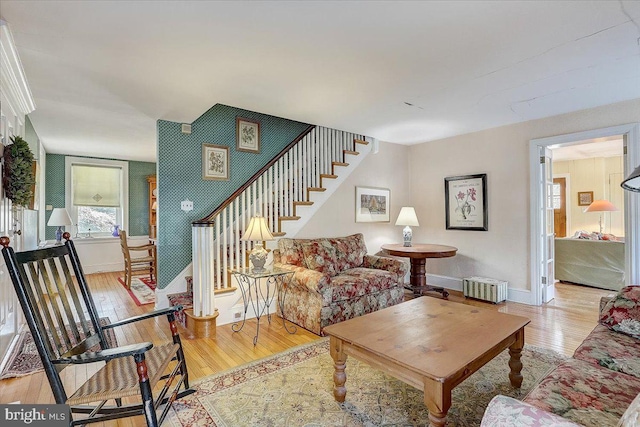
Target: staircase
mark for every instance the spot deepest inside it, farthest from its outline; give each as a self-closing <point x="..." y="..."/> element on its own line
<point x="287" y="192"/>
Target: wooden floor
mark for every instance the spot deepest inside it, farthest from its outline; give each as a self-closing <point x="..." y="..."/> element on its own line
<point x="560" y="325"/>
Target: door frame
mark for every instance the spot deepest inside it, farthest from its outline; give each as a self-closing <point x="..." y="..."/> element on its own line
<point x="631" y="141"/>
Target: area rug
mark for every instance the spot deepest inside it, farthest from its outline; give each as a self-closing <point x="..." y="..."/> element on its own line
<point x="24" y="358"/>
<point x="295" y="388"/>
<point x="142" y="290"/>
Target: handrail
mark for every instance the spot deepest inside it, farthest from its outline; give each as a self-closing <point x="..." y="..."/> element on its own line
<point x="207" y="220"/>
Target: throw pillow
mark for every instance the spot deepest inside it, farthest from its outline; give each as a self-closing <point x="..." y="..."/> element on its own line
<point x="622" y="313"/>
<point x="320" y="256"/>
<point x="631" y="417"/>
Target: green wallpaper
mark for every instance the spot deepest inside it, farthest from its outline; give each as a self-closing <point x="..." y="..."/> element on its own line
<point x="138" y="193"/>
<point x="180" y="175"/>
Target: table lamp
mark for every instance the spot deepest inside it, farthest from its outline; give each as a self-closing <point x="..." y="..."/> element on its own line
<point x="258" y="231"/>
<point x="59" y="218"/>
<point x="407" y="217"/>
<point x="601" y="206"/>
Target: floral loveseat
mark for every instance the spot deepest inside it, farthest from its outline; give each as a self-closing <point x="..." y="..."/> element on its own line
<point x="595" y="388"/>
<point x="334" y="280"/>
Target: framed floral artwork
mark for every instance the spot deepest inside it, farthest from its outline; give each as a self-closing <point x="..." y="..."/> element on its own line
<point x="585" y="198"/>
<point x="215" y="162"/>
<point x="372" y="204"/>
<point x="466" y="202"/>
<point x="247" y="135"/>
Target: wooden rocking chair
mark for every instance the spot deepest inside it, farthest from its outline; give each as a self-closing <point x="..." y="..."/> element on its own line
<point x="64" y="322"/>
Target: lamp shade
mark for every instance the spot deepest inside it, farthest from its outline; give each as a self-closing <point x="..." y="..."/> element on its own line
<point x="59" y="217"/>
<point x="408" y="217"/>
<point x="601" y="206"/>
<point x="257" y="230"/>
<point x="632" y="183"/>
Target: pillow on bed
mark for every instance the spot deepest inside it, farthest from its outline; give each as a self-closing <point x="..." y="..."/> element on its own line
<point x="622" y="313"/>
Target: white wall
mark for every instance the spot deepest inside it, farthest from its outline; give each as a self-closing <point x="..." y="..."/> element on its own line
<point x="388" y="169"/>
<point x="501" y="153"/>
<point x="602" y="176"/>
<point x="104" y="254"/>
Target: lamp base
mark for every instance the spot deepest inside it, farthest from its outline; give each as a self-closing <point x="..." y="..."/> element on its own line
<point x="258" y="258"/>
<point x="59" y="235"/>
<point x="407" y="234"/>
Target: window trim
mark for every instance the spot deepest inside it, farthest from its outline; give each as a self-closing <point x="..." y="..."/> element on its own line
<point x="88" y="161"/>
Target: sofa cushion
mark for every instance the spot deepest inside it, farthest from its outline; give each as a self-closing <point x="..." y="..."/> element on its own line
<point x="622" y="313"/>
<point x="584" y="393"/>
<point x="350" y="251"/>
<point x="612" y="350"/>
<point x="320" y="256"/>
<point x="356" y="282"/>
<point x="291" y="252"/>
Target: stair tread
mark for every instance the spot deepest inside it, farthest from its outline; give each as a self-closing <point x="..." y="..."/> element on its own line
<point x="361" y="141"/>
<point x="316" y="189"/>
<point x="355" y="153"/>
<point x="288" y="218"/>
<point x="326" y="175"/>
<point x="303" y="203"/>
<point x="278" y="233"/>
<point x="339" y="164"/>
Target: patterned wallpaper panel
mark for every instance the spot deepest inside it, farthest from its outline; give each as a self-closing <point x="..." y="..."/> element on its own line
<point x="180" y="175"/>
<point x="138" y="194"/>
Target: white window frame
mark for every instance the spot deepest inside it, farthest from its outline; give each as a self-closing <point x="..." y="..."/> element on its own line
<point x="124" y="194"/>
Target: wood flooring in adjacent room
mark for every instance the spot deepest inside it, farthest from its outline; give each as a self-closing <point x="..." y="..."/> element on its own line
<point x="560" y="325"/>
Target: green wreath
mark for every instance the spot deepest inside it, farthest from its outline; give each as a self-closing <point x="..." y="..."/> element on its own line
<point x="18" y="179"/>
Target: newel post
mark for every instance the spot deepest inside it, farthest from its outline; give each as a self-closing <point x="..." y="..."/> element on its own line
<point x="203" y="268"/>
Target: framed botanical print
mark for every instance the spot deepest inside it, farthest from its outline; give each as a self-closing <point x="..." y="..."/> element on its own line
<point x="247" y="135"/>
<point x="215" y="162"/>
<point x="466" y="202"/>
<point x="585" y="198"/>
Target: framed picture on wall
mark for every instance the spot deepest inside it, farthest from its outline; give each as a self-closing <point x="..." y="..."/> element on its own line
<point x="372" y="204"/>
<point x="247" y="135"/>
<point x="215" y="162"/>
<point x="585" y="198"/>
<point x="466" y="202"/>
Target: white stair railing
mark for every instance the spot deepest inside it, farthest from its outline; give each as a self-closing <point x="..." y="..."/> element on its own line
<point x="216" y="239"/>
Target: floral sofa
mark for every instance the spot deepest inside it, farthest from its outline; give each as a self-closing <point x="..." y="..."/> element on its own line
<point x="334" y="280"/>
<point x="598" y="387"/>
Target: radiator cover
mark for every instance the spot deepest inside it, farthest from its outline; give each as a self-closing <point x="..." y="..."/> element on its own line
<point x="485" y="289"/>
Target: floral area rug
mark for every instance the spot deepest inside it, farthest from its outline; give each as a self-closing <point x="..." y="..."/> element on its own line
<point x="142" y="290"/>
<point x="24" y="358"/>
<point x="295" y="388"/>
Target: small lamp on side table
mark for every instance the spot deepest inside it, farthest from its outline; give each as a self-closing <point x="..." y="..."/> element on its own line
<point x="408" y="218"/>
<point x="59" y="217"/>
<point x="258" y="231"/>
<point x="601" y="206"/>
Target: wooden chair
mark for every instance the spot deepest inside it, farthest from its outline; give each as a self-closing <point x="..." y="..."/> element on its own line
<point x="144" y="262"/>
<point x="63" y="319"/>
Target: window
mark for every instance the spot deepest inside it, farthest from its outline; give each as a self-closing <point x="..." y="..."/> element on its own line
<point x="96" y="195"/>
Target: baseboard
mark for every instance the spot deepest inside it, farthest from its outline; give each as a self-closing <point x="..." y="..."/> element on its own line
<point x="521" y="296"/>
<point x="178" y="284"/>
<point x="103" y="268"/>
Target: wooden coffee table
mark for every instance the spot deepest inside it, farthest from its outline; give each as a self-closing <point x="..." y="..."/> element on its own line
<point x="429" y="343"/>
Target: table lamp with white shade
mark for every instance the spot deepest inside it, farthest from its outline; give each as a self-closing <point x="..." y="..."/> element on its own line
<point x="601" y="206"/>
<point x="59" y="218"/>
<point x="408" y="218"/>
<point x="258" y="231"/>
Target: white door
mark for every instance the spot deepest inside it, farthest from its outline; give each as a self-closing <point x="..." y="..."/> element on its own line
<point x="546" y="244"/>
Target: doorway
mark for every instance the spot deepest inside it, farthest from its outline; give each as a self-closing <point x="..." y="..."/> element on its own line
<point x="542" y="248"/>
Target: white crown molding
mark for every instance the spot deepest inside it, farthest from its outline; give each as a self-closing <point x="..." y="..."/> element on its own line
<point x="13" y="80"/>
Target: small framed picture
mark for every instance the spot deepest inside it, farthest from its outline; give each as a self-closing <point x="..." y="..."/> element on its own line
<point x="585" y="198"/>
<point x="466" y="202"/>
<point x="372" y="204"/>
<point x="247" y="135"/>
<point x="215" y="162"/>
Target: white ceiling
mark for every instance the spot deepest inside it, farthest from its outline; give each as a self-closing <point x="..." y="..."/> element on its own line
<point x="102" y="73"/>
<point x="600" y="147"/>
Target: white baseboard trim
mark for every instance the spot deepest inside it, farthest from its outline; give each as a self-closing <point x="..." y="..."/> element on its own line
<point x="521" y="296"/>
<point x="452" y="283"/>
<point x="178" y="284"/>
<point x="103" y="268"/>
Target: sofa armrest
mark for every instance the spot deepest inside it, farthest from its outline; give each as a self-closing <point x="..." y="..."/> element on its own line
<point x="305" y="278"/>
<point x="603" y="302"/>
<point x="385" y="263"/>
<point x="504" y="411"/>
